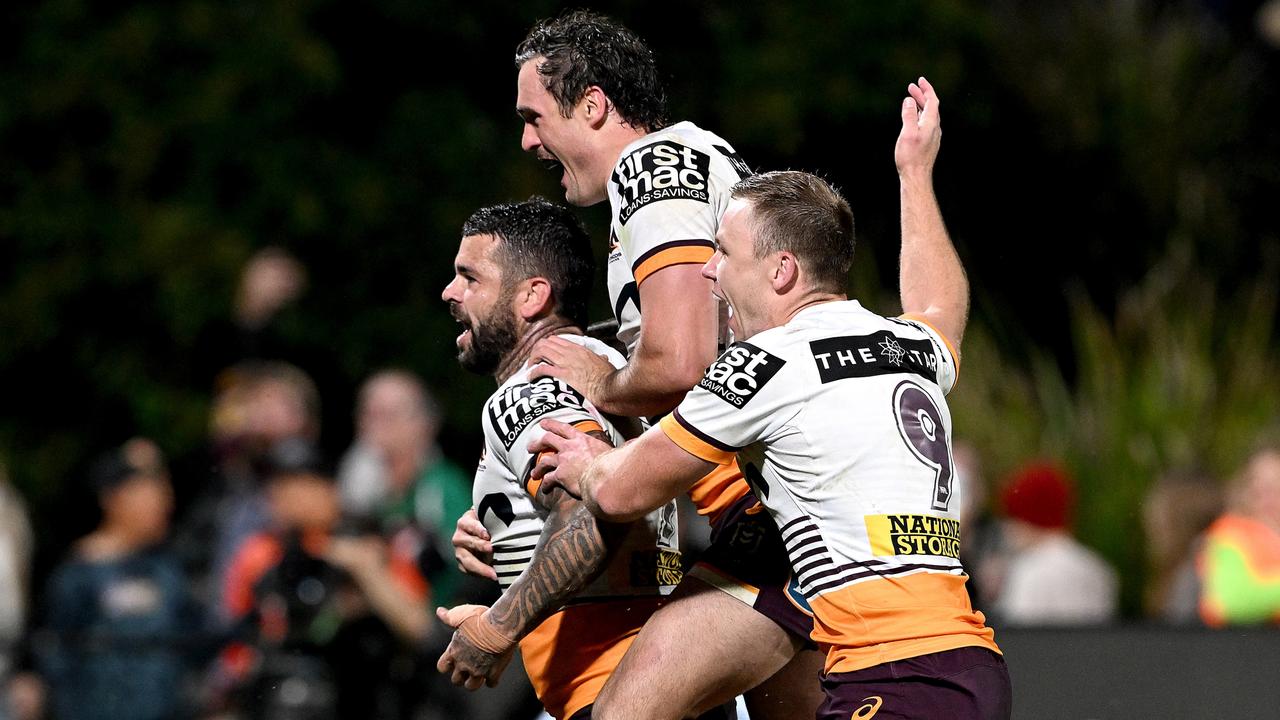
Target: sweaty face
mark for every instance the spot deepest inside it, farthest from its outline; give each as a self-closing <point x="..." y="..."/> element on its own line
<point x="480" y="303"/>
<point x="562" y="144"/>
<point x="736" y="271"/>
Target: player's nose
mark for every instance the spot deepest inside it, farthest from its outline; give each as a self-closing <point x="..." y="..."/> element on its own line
<point x="709" y="268"/>
<point x="529" y="140"/>
<point x="450" y="292"/>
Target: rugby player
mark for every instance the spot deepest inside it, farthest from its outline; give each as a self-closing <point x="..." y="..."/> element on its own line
<point x="575" y="591"/>
<point x="593" y="108"/>
<point x="838" y="417"/>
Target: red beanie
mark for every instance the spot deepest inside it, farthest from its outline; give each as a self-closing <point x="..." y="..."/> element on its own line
<point x="1040" y="494"/>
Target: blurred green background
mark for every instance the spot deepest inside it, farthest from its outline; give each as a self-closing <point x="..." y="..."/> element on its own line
<point x="1109" y="173"/>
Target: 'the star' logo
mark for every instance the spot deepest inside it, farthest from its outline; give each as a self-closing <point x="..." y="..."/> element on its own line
<point x="890" y="349"/>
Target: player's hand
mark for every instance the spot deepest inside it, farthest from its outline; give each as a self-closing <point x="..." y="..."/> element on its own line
<point x="921" y="135"/>
<point x="478" y="653"/>
<point x="471" y="547"/>
<point x="567" y="453"/>
<point x="584" y="370"/>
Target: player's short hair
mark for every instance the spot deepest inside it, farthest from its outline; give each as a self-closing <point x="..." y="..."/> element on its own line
<point x="541" y="239"/>
<point x="802" y="214"/>
<point x="583" y="48"/>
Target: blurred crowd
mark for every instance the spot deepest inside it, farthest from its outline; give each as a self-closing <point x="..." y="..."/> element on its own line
<point x="291" y="586"/>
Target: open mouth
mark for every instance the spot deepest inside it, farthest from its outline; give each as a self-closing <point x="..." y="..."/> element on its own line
<point x="466" y="326"/>
<point x="553" y="164"/>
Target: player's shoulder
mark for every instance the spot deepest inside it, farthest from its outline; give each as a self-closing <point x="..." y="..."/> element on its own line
<point x="844" y="317"/>
<point x="520" y="402"/>
<point x="845" y="340"/>
<point x="598" y="347"/>
<point x="680" y="162"/>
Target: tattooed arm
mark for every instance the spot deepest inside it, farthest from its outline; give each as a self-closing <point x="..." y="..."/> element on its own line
<point x="572" y="550"/>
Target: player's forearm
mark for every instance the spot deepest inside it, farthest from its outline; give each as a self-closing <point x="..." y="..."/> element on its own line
<point x="571" y="553"/>
<point x="633" y="391"/>
<point x="932" y="279"/>
<point x="657" y="378"/>
<point x="612" y="495"/>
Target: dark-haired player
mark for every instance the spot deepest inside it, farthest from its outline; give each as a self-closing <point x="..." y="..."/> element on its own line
<point x="593" y="107"/>
<point x="839" y="416"/>
<point x="575" y="591"/>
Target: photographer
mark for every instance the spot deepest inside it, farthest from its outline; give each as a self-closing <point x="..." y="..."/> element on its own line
<point x="330" y="616"/>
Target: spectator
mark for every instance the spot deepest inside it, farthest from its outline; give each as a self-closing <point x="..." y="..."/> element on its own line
<point x="120" y="622"/>
<point x="259" y="405"/>
<point x="15" y="564"/>
<point x="324" y="609"/>
<point x="264" y="307"/>
<point x="1240" y="559"/>
<point x="1177" y="510"/>
<point x="396" y="475"/>
<point x="1051" y="579"/>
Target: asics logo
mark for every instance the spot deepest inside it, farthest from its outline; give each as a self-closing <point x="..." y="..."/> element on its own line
<point x="871" y="705"/>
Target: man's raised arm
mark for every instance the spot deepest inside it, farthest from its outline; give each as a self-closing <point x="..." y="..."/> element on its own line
<point x="932" y="281"/>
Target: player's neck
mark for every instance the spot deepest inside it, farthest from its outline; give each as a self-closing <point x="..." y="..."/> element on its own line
<point x="519" y="355"/>
<point x="620" y="135"/>
<point x="808" y="300"/>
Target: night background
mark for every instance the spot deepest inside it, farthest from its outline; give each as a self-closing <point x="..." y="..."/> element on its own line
<point x="1109" y="174"/>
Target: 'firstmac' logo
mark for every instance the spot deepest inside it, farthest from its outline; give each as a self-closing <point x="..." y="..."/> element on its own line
<point x="662" y="171"/>
<point x="740" y="372"/>
<point x="516" y="407"/>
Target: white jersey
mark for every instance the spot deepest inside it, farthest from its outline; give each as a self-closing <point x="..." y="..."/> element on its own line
<point x="667" y="194"/>
<point x="839" y="422"/>
<point x="648" y="560"/>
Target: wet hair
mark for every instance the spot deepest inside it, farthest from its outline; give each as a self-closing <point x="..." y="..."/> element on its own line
<point x="581" y="49"/>
<point x="541" y="239"/>
<point x="804" y="215"/>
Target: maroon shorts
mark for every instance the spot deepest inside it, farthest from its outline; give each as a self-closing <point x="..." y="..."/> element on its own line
<point x="748" y="560"/>
<point x="969" y="683"/>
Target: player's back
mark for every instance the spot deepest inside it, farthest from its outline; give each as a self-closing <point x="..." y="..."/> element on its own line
<point x="840" y="423"/>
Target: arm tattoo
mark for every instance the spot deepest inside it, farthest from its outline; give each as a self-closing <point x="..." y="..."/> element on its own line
<point x="571" y="552"/>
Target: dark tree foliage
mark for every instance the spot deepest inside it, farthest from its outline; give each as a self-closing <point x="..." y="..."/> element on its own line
<point x="150" y="148"/>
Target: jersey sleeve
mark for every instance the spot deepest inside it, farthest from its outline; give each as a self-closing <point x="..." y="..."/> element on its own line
<point x="948" y="358"/>
<point x="739" y="401"/>
<point x="514" y="421"/>
<point x="667" y="206"/>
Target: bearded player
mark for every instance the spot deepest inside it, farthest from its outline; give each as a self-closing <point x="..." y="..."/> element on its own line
<point x="575" y="591"/>
<point x="593" y="108"/>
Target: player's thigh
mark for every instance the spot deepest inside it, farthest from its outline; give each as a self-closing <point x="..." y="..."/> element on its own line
<point x="701" y="649"/>
<point x="795" y="691"/>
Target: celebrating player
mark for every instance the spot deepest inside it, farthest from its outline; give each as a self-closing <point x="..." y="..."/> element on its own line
<point x="839" y="418"/>
<point x="593" y="108"/>
<point x="575" y="591"/>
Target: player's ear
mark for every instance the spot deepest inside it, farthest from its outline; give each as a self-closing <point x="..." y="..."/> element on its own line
<point x="594" y="106"/>
<point x="785" y="272"/>
<point x="534" y="299"/>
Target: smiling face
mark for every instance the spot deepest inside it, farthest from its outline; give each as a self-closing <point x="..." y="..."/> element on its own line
<point x="740" y="279"/>
<point x="479" y="301"/>
<point x="562" y="144"/>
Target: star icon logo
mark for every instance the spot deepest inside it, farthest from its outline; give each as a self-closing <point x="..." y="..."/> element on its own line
<point x="889" y="348"/>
